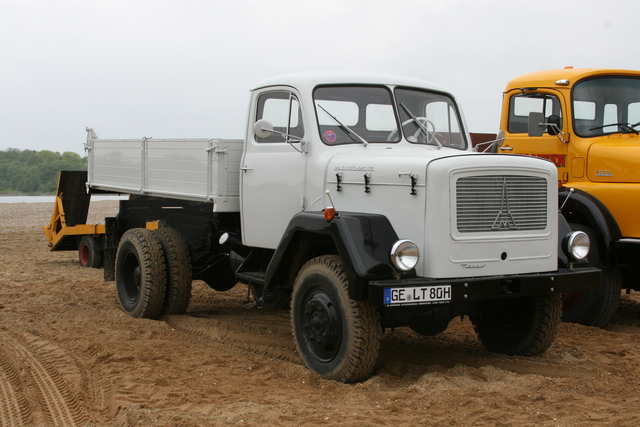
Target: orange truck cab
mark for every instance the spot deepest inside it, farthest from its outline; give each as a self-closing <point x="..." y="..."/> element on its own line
<point x="587" y="122"/>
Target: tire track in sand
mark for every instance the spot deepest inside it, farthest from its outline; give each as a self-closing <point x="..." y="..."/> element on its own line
<point x="14" y="406"/>
<point x="254" y="331"/>
<point x="33" y="388"/>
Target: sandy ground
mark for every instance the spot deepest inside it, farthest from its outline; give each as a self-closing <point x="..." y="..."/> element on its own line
<point x="69" y="356"/>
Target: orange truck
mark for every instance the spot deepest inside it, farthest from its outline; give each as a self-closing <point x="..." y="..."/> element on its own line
<point x="587" y="122"/>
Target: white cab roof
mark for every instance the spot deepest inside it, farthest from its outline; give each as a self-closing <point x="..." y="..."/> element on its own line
<point x="306" y="81"/>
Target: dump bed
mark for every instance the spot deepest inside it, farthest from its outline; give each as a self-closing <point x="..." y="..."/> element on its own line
<point x="204" y="170"/>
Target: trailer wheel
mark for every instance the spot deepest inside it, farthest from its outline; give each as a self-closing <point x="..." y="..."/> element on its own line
<point x="89" y="252"/>
<point x="523" y="326"/>
<point x="178" y="262"/>
<point x="593" y="307"/>
<point x="141" y="274"/>
<point x="337" y="337"/>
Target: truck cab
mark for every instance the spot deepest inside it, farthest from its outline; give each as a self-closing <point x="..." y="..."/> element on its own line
<point x="394" y="147"/>
<point x="585" y="122"/>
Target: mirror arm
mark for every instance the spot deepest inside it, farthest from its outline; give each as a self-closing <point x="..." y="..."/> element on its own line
<point x="288" y="138"/>
<point x="559" y="133"/>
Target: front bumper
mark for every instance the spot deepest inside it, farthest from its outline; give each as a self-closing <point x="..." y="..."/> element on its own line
<point x="481" y="288"/>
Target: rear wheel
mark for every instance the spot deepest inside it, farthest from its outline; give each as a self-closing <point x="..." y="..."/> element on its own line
<point x="89" y="252"/>
<point x="523" y="326"/>
<point x="593" y="307"/>
<point x="141" y="274"/>
<point x="178" y="261"/>
<point x="337" y="337"/>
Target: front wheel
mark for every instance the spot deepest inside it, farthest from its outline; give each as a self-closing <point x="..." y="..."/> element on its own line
<point x="523" y="326"/>
<point x="337" y="337"/>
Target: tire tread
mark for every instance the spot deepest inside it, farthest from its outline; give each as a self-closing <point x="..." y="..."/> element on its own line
<point x="153" y="273"/>
<point x="363" y="321"/>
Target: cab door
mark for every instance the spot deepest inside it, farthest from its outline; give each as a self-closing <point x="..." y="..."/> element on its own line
<point x="273" y="169"/>
<point x="541" y="108"/>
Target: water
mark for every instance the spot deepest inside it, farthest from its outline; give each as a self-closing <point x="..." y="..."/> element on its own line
<point x="50" y="199"/>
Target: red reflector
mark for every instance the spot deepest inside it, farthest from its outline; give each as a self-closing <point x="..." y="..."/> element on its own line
<point x="329" y="213"/>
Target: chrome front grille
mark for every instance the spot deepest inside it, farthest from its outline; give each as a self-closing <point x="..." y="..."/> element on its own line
<point x="501" y="203"/>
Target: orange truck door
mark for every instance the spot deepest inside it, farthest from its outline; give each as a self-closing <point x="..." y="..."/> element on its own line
<point x="533" y="122"/>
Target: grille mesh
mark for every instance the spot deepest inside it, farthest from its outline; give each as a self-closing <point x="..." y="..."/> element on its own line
<point x="501" y="203"/>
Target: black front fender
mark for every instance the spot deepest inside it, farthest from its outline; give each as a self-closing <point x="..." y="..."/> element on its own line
<point x="363" y="241"/>
<point x="582" y="207"/>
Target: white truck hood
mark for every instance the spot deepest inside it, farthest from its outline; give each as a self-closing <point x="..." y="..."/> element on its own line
<point x="419" y="192"/>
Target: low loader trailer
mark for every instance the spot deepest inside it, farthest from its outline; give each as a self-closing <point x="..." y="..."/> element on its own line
<point x="68" y="229"/>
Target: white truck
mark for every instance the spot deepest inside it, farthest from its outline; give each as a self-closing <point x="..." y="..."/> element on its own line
<point x="357" y="201"/>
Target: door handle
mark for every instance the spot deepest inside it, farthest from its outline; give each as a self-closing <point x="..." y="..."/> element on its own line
<point x="245" y="168"/>
<point x="506" y="148"/>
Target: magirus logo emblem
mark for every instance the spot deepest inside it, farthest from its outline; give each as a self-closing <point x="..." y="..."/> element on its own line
<point x="504" y="220"/>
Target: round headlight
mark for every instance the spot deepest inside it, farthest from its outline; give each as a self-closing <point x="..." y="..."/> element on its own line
<point x="405" y="255"/>
<point x="578" y="245"/>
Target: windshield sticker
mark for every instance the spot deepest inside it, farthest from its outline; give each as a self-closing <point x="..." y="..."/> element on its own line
<point x="330" y="136"/>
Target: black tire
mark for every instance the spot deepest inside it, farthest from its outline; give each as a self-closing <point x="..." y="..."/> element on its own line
<point x="178" y="262"/>
<point x="89" y="252"/>
<point x="337" y="337"/>
<point x="593" y="307"/>
<point x="523" y="326"/>
<point x="141" y="274"/>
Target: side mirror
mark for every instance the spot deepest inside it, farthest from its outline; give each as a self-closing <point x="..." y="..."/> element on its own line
<point x="498" y="142"/>
<point x="553" y="124"/>
<point x="536" y="126"/>
<point x="263" y="129"/>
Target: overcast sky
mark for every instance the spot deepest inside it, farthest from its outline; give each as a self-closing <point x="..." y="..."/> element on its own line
<point x="182" y="68"/>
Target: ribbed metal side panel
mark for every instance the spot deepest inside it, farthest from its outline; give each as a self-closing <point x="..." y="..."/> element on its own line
<point x="501" y="203"/>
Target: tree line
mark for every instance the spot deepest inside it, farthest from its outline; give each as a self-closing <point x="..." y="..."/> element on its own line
<point x="35" y="172"/>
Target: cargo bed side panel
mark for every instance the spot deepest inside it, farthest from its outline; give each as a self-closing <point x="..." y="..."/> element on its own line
<point x="204" y="170"/>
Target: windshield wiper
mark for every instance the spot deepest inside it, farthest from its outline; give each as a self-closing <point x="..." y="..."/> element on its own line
<point x="344" y="127"/>
<point x="420" y="125"/>
<point x="626" y="126"/>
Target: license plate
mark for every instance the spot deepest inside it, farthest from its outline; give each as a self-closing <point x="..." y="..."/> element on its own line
<point x="416" y="296"/>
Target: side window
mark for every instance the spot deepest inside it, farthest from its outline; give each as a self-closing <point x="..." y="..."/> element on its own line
<point x="282" y="110"/>
<point x="520" y="106"/>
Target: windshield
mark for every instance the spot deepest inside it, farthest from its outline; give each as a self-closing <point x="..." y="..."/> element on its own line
<point x="606" y="105"/>
<point x="366" y="114"/>
<point x="429" y="118"/>
<point x="355" y="114"/>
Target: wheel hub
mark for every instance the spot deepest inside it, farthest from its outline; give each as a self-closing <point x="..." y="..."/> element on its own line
<point x="132" y="272"/>
<point x="321" y="321"/>
<point x="84" y="254"/>
<point x="136" y="277"/>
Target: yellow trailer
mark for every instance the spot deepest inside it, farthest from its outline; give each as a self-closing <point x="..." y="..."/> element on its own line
<point x="68" y="229"/>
